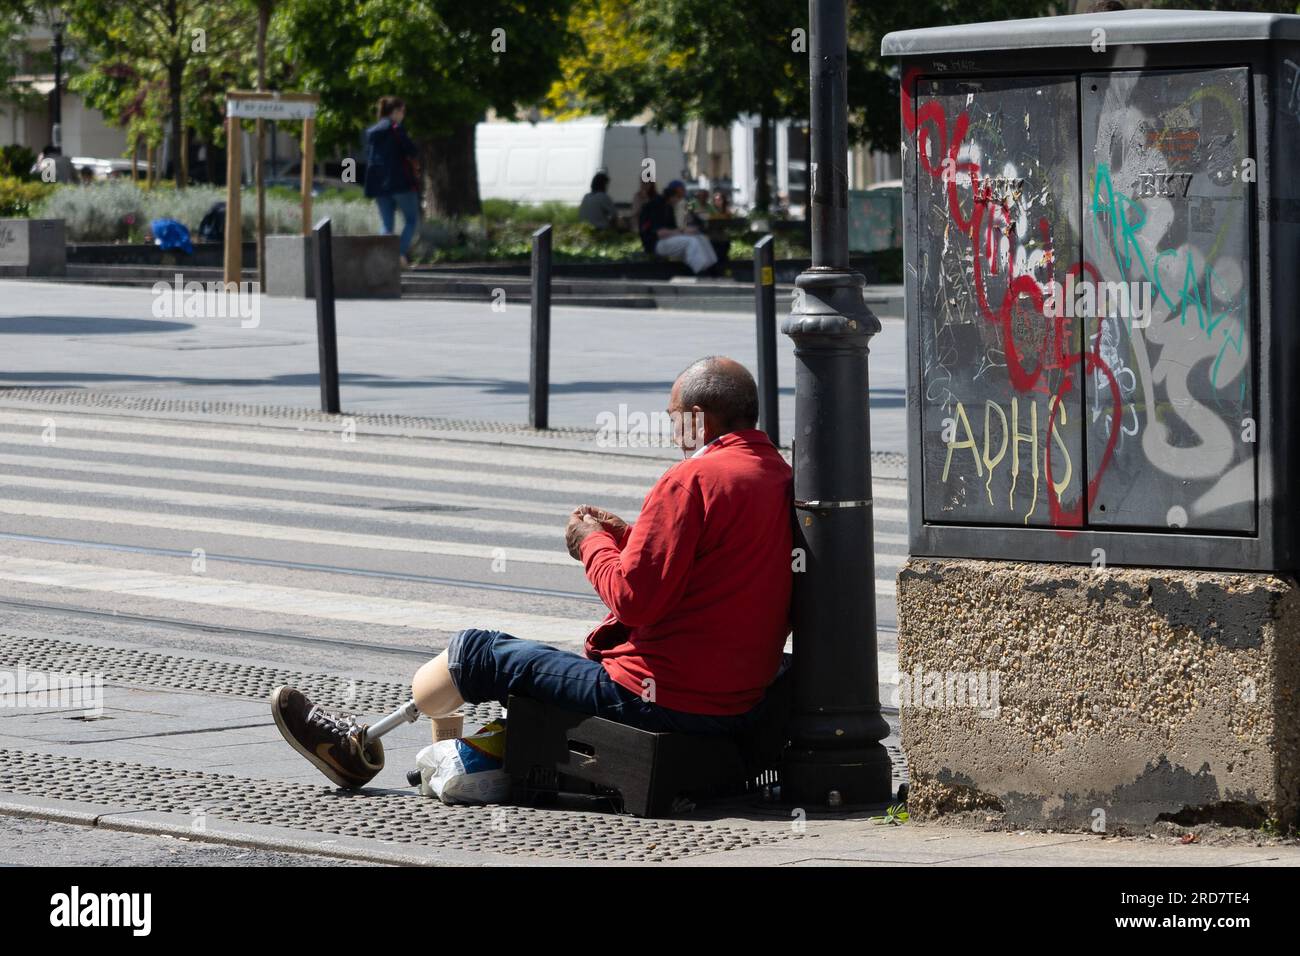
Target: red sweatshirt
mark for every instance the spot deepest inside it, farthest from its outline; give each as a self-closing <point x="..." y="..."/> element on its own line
<point x="699" y="588"/>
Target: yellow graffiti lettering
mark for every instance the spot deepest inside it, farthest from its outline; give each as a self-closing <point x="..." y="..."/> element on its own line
<point x="1032" y="440"/>
<point x="991" y="463"/>
<point x="968" y="443"/>
<point x="1060" y="487"/>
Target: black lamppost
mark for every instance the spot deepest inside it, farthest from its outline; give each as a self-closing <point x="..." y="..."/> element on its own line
<point x="58" y="20"/>
<point x="835" y="755"/>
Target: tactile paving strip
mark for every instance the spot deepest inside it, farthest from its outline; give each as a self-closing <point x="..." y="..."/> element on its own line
<point x="145" y="403"/>
<point x="399" y="818"/>
<point x="171" y="672"/>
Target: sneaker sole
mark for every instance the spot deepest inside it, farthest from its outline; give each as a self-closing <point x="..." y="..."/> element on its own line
<point x="316" y="761"/>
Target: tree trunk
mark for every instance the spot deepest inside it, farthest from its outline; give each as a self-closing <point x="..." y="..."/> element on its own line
<point x="450" y="173"/>
<point x="763" y="148"/>
<point x="175" y="72"/>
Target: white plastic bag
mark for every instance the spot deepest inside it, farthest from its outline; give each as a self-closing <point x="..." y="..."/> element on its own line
<point x="466" y="769"/>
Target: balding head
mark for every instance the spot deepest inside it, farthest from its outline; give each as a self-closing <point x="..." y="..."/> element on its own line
<point x="721" y="390"/>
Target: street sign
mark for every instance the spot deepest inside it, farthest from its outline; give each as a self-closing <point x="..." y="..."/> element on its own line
<point x="270" y="108"/>
<point x="258" y="105"/>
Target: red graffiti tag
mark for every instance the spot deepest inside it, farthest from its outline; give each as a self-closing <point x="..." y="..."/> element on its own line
<point x="928" y="126"/>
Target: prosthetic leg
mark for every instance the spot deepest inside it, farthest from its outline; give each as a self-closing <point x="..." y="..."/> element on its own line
<point x="433" y="693"/>
<point x="408" y="713"/>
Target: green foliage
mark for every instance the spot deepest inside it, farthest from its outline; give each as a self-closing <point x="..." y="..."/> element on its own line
<point x="1272" y="828"/>
<point x="682" y="59"/>
<point x="896" y="815"/>
<point x="17" y="161"/>
<point x="873" y="79"/>
<point x="507" y="210"/>
<point x="689" y="58"/>
<point x="19" y="197"/>
<point x="504" y="233"/>
<point x="436" y="54"/>
<point x="352" y="194"/>
<point x="140" y="55"/>
<point x="13" y="16"/>
<point x="510" y="239"/>
<point x="119" y="211"/>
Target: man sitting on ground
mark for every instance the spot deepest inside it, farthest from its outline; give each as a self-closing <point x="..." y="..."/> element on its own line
<point x="698" y="591"/>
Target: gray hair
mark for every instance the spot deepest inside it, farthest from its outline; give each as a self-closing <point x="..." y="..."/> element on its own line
<point x="723" y="387"/>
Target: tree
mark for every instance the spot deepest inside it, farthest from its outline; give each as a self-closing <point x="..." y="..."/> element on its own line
<point x="689" y="59"/>
<point x="683" y="59"/>
<point x="150" y="59"/>
<point x="449" y="60"/>
<point x="16" y="16"/>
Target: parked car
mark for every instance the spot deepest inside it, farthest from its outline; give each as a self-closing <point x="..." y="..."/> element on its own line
<point x="101" y="169"/>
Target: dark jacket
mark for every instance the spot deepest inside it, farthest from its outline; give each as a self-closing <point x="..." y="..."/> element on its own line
<point x="389" y="152"/>
<point x="656" y="214"/>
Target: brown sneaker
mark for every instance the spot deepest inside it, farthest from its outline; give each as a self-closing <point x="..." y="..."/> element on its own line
<point x="332" y="743"/>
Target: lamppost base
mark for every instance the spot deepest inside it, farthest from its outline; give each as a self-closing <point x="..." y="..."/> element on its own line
<point x="826" y="777"/>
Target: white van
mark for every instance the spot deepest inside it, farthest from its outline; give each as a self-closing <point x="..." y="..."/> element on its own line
<point x="545" y="161"/>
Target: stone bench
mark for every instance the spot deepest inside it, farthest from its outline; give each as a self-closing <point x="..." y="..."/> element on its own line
<point x="365" y="267"/>
<point x="33" y="247"/>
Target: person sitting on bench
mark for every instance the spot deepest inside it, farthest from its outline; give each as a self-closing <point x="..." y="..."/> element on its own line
<point x="660" y="235"/>
<point x="698" y="591"/>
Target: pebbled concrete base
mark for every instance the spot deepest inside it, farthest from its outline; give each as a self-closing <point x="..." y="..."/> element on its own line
<point x="1047" y="695"/>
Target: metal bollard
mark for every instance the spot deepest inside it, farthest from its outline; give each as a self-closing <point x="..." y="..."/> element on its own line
<point x="326" y="339"/>
<point x="765" y="317"/>
<point x="539" y="371"/>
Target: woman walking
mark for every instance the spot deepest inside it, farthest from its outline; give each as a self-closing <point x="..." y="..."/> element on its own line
<point x="392" y="176"/>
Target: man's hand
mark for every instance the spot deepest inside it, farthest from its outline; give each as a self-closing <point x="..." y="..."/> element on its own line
<point x="580" y="525"/>
<point x="608" y="520"/>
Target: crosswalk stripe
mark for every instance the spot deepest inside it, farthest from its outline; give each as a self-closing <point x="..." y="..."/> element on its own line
<point x="330" y="488"/>
<point x="325" y="442"/>
<point x="427" y="473"/>
<point x="302" y="486"/>
<point x="197" y="525"/>
<point x="245" y="503"/>
<point x="329" y="443"/>
<point x="200" y="525"/>
<point x="279" y="599"/>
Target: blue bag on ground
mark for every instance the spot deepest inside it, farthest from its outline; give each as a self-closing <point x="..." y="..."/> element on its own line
<point x="168" y="234"/>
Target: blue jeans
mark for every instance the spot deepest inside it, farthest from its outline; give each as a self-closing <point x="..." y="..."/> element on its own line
<point x="491" y="665"/>
<point x="409" y="203"/>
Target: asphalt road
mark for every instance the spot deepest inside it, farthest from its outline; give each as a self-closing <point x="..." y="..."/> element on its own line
<point x="425" y="358"/>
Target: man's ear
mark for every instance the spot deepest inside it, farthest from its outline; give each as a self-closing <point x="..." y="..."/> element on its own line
<point x="700" y="423"/>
